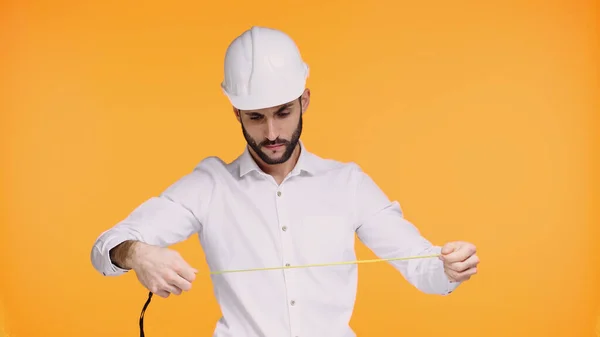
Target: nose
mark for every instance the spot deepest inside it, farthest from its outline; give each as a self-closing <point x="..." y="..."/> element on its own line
<point x="272" y="132"/>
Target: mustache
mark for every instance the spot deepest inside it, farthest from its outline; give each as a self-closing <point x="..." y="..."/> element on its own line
<point x="277" y="141"/>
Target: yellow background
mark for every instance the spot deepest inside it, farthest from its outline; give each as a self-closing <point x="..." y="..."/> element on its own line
<point x="478" y="116"/>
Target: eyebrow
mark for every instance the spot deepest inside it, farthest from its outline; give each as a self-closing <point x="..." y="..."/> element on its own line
<point x="283" y="107"/>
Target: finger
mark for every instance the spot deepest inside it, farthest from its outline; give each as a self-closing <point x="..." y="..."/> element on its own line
<point x="460" y="254"/>
<point x="185" y="270"/>
<point x="173" y="289"/>
<point x="180" y="283"/>
<point x="470" y="262"/>
<point x="162" y="293"/>
<point x="461" y="276"/>
<point x="173" y="279"/>
<point x="448" y="248"/>
<point x="452" y="275"/>
<point x="457" y="255"/>
<point x="165" y="286"/>
<point x="467" y="274"/>
<point x="187" y="273"/>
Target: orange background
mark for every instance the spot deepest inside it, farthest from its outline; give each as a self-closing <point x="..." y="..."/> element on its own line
<point x="478" y="116"/>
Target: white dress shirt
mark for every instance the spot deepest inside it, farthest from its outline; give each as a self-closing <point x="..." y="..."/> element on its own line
<point x="245" y="220"/>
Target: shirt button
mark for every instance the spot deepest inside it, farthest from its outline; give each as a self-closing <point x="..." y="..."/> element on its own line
<point x="284" y="228"/>
<point x="278" y="193"/>
<point x="293" y="302"/>
<point x="287" y="264"/>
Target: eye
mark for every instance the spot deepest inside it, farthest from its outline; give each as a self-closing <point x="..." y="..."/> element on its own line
<point x="255" y="117"/>
<point x="283" y="114"/>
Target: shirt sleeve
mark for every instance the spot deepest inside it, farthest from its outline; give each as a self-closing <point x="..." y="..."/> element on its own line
<point x="163" y="220"/>
<point x="384" y="230"/>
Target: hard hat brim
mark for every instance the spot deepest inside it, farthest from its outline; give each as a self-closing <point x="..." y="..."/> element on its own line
<point x="264" y="100"/>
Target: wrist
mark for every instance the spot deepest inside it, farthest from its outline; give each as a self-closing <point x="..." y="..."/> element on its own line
<point x="124" y="254"/>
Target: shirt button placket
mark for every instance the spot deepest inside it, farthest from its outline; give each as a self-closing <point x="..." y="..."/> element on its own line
<point x="286" y="245"/>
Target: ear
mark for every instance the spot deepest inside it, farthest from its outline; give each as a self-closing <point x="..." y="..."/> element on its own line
<point x="305" y="100"/>
<point x="236" y="111"/>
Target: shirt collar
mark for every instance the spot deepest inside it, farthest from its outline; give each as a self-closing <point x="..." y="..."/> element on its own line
<point x="306" y="162"/>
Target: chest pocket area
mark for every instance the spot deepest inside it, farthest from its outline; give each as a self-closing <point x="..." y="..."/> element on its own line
<point x="325" y="239"/>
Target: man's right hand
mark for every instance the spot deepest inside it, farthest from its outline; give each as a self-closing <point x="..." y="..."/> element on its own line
<point x="161" y="270"/>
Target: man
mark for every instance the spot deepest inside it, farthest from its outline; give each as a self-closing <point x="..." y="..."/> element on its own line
<point x="277" y="204"/>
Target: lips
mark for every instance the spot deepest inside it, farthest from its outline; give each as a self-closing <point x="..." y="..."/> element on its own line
<point x="273" y="147"/>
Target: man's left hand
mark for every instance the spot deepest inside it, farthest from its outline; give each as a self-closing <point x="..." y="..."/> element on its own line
<point x="460" y="260"/>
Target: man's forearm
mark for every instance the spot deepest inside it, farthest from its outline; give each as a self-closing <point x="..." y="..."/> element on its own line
<point x="121" y="255"/>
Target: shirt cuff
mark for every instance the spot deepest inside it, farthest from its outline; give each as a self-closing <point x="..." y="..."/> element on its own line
<point x="101" y="256"/>
<point x="452" y="286"/>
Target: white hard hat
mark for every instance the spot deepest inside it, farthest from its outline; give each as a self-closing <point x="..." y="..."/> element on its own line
<point x="263" y="69"/>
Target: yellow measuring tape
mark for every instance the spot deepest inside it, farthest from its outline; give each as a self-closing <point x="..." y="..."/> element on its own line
<point x="325" y="264"/>
<point x="142" y="334"/>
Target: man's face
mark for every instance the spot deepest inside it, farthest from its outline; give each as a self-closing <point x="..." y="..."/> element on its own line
<point x="273" y="133"/>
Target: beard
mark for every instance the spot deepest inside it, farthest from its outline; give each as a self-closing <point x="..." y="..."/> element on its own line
<point x="289" y="145"/>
